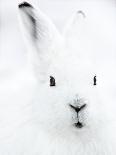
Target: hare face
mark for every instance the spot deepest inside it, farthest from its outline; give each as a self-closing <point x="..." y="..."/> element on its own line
<point x="62" y="103"/>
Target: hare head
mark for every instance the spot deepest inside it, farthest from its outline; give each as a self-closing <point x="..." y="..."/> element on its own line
<point x="66" y="100"/>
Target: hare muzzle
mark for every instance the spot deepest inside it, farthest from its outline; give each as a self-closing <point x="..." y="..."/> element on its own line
<point x="78" y="109"/>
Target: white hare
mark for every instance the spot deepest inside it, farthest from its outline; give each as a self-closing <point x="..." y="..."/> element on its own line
<point x="67" y="115"/>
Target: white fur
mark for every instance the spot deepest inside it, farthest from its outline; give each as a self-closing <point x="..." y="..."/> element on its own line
<point x="44" y="126"/>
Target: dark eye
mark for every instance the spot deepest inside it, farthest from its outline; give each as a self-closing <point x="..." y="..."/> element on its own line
<point x="95" y="81"/>
<point x="52" y="81"/>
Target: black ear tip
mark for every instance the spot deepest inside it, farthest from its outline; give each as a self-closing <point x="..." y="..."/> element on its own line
<point x="25" y="4"/>
<point x="81" y="12"/>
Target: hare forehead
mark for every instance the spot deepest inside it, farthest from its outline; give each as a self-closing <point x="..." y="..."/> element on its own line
<point x="71" y="67"/>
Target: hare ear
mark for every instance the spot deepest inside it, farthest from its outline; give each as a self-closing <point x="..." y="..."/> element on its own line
<point x="74" y="25"/>
<point x="76" y="33"/>
<point x="40" y="35"/>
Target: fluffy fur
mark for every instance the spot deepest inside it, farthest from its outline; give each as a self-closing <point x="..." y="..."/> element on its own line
<point x="47" y="123"/>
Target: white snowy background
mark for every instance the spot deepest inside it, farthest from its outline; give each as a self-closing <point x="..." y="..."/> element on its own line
<point x="13" y="51"/>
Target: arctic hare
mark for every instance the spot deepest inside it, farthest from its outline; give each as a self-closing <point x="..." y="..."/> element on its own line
<point x="67" y="115"/>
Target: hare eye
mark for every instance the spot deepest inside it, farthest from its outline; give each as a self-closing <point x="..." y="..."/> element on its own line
<point x="94" y="81"/>
<point x="52" y="81"/>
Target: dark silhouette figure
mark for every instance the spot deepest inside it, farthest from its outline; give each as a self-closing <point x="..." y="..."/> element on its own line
<point x="95" y="81"/>
<point x="52" y="81"/>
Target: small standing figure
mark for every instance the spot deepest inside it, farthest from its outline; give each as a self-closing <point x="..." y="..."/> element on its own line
<point x="95" y="81"/>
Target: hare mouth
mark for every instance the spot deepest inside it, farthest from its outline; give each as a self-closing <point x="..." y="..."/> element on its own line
<point x="79" y="125"/>
<point x="78" y="110"/>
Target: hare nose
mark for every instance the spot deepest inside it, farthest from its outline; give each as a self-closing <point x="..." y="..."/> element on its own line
<point x="78" y="108"/>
